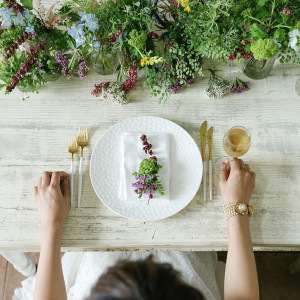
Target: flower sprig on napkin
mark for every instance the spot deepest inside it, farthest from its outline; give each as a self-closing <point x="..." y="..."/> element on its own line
<point x="147" y="181"/>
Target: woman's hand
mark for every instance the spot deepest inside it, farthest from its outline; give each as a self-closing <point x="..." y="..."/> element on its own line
<point x="52" y="196"/>
<point x="236" y="183"/>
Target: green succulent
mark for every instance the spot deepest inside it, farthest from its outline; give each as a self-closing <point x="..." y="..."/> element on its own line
<point x="264" y="49"/>
<point x="148" y="166"/>
<point x="297" y="25"/>
<point x="137" y="39"/>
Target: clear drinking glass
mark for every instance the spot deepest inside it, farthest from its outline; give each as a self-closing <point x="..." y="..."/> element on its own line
<point x="236" y="142"/>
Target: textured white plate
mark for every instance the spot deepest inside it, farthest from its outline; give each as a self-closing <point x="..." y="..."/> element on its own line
<point x="185" y="169"/>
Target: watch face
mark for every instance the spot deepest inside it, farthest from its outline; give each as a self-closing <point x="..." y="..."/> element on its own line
<point x="243" y="208"/>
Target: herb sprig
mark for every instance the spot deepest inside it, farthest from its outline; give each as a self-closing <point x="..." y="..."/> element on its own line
<point x="147" y="178"/>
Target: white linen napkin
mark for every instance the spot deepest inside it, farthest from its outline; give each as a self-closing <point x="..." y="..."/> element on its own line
<point x="133" y="154"/>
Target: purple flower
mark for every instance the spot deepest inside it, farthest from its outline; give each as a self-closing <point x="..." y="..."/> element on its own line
<point x="286" y="11"/>
<point x="241" y="86"/>
<point x="176" y="86"/>
<point x="39" y="65"/>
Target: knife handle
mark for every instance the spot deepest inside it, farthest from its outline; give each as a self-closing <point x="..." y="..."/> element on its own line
<point x="204" y="181"/>
<point x="210" y="180"/>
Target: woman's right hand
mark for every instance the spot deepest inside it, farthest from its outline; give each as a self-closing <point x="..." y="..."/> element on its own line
<point x="236" y="183"/>
<point x="52" y="196"/>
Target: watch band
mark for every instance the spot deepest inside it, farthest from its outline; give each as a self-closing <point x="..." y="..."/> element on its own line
<point x="232" y="209"/>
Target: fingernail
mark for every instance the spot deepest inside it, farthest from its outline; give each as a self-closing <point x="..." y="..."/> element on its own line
<point x="66" y="179"/>
<point x="222" y="164"/>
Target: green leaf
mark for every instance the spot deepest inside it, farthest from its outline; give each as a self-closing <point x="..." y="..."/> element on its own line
<point x="257" y="32"/>
<point x="247" y="47"/>
<point x="261" y="2"/>
<point x="261" y="13"/>
<point x="279" y="34"/>
<point x="285" y="18"/>
<point x="27" y="3"/>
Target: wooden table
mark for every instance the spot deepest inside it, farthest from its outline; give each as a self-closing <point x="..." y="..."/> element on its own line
<point x="34" y="137"/>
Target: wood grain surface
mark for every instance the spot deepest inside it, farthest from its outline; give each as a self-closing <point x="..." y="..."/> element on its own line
<point x="34" y="136"/>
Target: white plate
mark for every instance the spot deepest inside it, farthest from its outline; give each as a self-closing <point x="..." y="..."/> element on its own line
<point x="185" y="169"/>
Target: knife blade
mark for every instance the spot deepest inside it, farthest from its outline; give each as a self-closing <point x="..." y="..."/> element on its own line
<point x="203" y="130"/>
<point x="209" y="141"/>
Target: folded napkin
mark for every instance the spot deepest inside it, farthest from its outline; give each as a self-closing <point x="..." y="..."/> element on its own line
<point x="133" y="154"/>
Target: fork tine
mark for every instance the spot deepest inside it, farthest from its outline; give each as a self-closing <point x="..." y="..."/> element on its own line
<point x="79" y="133"/>
<point x="83" y="136"/>
<point x="72" y="141"/>
<point x="86" y="134"/>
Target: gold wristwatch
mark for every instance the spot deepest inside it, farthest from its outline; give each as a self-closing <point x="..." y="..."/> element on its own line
<point x="236" y="208"/>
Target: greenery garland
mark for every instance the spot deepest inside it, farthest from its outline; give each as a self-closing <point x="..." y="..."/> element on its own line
<point x="166" y="38"/>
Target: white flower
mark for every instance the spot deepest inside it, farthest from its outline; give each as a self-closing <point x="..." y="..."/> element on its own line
<point x="294" y="42"/>
<point x="26" y="47"/>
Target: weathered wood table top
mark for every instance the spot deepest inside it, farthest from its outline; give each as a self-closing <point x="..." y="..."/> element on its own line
<point x="34" y="137"/>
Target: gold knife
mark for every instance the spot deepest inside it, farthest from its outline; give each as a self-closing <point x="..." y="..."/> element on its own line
<point x="203" y="129"/>
<point x="209" y="141"/>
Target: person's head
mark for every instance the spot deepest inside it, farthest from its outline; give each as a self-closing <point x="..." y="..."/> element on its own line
<point x="142" y="280"/>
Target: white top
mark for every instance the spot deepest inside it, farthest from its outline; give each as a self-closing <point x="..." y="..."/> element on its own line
<point x="82" y="270"/>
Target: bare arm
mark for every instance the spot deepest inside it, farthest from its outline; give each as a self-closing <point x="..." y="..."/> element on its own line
<point x="241" y="281"/>
<point x="53" y="200"/>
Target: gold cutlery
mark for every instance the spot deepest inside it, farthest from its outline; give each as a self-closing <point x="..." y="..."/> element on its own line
<point x="73" y="148"/>
<point x="203" y="129"/>
<point x="209" y="141"/>
<point x="82" y="141"/>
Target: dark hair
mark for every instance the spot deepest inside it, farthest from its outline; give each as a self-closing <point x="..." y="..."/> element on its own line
<point x="142" y="280"/>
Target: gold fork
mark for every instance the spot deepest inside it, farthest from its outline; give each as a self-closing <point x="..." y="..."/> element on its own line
<point x="82" y="141"/>
<point x="73" y="148"/>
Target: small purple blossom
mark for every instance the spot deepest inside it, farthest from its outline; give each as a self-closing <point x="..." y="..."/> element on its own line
<point x="142" y="185"/>
<point x="286" y="11"/>
<point x="39" y="65"/>
<point x="241" y="86"/>
<point x="175" y="87"/>
<point x="62" y="60"/>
